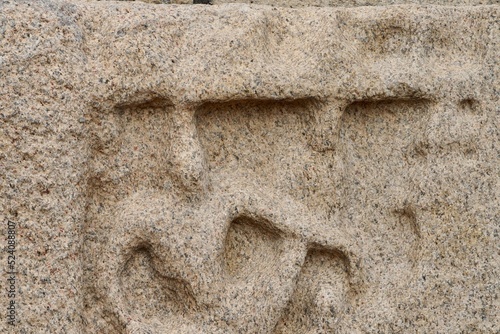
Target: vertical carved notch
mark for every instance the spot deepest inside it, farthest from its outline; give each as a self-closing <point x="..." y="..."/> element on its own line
<point x="324" y="125"/>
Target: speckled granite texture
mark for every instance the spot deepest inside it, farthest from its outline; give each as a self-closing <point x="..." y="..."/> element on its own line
<point x="353" y="3"/>
<point x="249" y="169"/>
<point x="324" y="3"/>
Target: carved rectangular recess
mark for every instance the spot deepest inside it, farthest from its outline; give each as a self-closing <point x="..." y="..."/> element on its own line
<point x="129" y="146"/>
<point x="252" y="247"/>
<point x="382" y="145"/>
<point x="260" y="139"/>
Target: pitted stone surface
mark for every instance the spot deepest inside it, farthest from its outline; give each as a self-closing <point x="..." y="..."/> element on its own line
<point x="250" y="169"/>
<point x="324" y="3"/>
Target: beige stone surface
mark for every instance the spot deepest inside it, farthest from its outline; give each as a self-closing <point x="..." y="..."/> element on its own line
<point x="356" y="3"/>
<point x="325" y="3"/>
<point x="249" y="169"/>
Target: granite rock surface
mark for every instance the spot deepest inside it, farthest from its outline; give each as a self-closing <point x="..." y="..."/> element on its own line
<point x="324" y="3"/>
<point x="249" y="169"/>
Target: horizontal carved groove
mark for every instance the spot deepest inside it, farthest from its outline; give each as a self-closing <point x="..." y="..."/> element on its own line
<point x="144" y="100"/>
<point x="263" y="105"/>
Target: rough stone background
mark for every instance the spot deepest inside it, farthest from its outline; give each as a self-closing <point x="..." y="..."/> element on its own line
<point x="249" y="169"/>
<point x="326" y="3"/>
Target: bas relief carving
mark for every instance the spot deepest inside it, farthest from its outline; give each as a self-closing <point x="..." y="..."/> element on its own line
<point x="193" y="237"/>
<point x="254" y="170"/>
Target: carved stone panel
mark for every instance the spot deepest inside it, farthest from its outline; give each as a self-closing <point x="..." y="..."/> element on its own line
<point x="249" y="169"/>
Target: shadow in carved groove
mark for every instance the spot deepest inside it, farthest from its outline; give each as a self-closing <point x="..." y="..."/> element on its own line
<point x="160" y="295"/>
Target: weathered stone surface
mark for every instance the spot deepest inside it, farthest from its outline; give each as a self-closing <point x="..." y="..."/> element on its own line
<point x="357" y="3"/>
<point x="249" y="169"/>
<point x="326" y="3"/>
